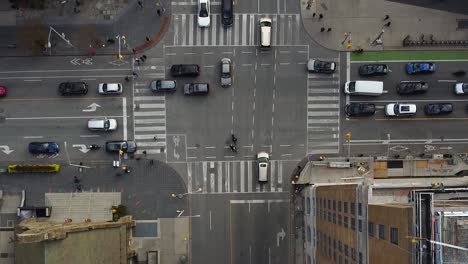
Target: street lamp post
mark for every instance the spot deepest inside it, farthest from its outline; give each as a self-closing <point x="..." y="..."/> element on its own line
<point x="62" y="36"/>
<point x="120" y="57"/>
<point x="348" y="137"/>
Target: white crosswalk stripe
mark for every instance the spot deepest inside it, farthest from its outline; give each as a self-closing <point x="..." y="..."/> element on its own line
<point x="150" y="110"/>
<point x="323" y="112"/>
<point x="244" y="31"/>
<point x="233" y="177"/>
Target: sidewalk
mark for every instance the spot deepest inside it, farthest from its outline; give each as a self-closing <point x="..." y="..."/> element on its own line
<point x="88" y="30"/>
<point x="358" y="24"/>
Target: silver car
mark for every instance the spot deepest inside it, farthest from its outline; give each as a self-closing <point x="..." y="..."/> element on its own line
<point x="226" y="72"/>
<point x="110" y="88"/>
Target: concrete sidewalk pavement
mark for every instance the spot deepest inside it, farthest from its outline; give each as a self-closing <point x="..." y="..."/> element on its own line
<point x="353" y="24"/>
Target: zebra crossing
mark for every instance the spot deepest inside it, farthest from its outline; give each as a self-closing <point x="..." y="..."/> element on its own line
<point x="244" y="31"/>
<point x="323" y="113"/>
<point x="149" y="110"/>
<point x="233" y="177"/>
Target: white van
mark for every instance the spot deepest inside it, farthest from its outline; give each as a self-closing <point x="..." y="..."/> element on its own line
<point x="265" y="33"/>
<point x="372" y="88"/>
<point x="263" y="159"/>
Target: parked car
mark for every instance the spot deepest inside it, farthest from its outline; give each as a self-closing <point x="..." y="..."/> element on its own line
<point x="125" y="146"/>
<point x="73" y="88"/>
<point x="203" y="13"/>
<point x="3" y="91"/>
<point x="373" y="69"/>
<point x="196" y="88"/>
<point x="43" y="148"/>
<point x="397" y="109"/>
<point x="319" y="66"/>
<point x="438" y="109"/>
<point x="102" y="124"/>
<point x="178" y="70"/>
<point x="163" y="86"/>
<point x="227" y="12"/>
<point x="262" y="159"/>
<point x="110" y="88"/>
<point x="412" y="87"/>
<point x="461" y="88"/>
<point x="265" y="33"/>
<point x="226" y="69"/>
<point x="420" y="67"/>
<point x="360" y="109"/>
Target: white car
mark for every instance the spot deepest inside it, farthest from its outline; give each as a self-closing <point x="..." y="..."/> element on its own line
<point x="461" y="88"/>
<point x="203" y="13"/>
<point x="102" y="124"/>
<point x="262" y="159"/>
<point x="397" y="109"/>
<point x="265" y="32"/>
<point x="110" y="88"/>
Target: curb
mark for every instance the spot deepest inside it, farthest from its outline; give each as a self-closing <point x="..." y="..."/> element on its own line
<point x="155" y="38"/>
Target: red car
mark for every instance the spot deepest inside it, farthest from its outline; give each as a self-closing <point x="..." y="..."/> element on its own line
<point x="2" y="91"/>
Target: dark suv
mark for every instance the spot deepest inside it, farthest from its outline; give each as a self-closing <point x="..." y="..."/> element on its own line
<point x="226" y="10"/>
<point x="185" y="70"/>
<point x="73" y="88"/>
<point x="196" y="88"/>
<point x="117" y="145"/>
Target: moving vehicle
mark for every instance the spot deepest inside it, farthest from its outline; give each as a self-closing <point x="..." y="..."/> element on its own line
<point x="110" y="88"/>
<point x="3" y="91"/>
<point x="185" y="70"/>
<point x="163" y="86"/>
<point x="420" y="67"/>
<point x="360" y="109"/>
<point x="43" y="148"/>
<point x="438" y="109"/>
<point x="73" y="88"/>
<point x="371" y="88"/>
<point x="102" y="124"/>
<point x="196" y="89"/>
<point x="226" y="12"/>
<point x="460" y="88"/>
<point x="412" y="87"/>
<point x="226" y="69"/>
<point x="320" y="66"/>
<point x="203" y="13"/>
<point x="262" y="159"/>
<point x="125" y="146"/>
<point x="373" y="69"/>
<point x="397" y="109"/>
<point x="265" y="33"/>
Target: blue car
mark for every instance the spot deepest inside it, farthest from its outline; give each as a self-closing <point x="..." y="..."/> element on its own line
<point x="43" y="148"/>
<point x="420" y="67"/>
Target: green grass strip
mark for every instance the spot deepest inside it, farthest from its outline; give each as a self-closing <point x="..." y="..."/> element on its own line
<point x="409" y="55"/>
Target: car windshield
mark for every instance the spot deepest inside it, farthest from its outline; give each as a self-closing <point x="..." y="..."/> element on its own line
<point x="104" y="87"/>
<point x="352" y="86"/>
<point x="203" y="10"/>
<point x="465" y="87"/>
<point x="396" y="109"/>
<point x="263" y="165"/>
<point x="106" y="123"/>
<point x="265" y="24"/>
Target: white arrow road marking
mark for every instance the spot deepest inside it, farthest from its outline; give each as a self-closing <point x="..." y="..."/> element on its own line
<point x="91" y="108"/>
<point x="6" y="149"/>
<point x="82" y="147"/>
<point x="75" y="61"/>
<point x="279" y="235"/>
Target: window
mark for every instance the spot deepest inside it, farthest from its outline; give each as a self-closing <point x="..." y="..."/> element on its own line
<point x="360" y="257"/>
<point x="334" y="244"/>
<point x="381" y="231"/>
<point x="339" y="219"/>
<point x="359" y="209"/>
<point x="346" y="250"/>
<point x="329" y="217"/>
<point x="370" y="229"/>
<point x="340" y="259"/>
<point x="334" y="218"/>
<point x="309" y="233"/>
<point x="345" y="207"/>
<point x="334" y="205"/>
<point x="329" y="204"/>
<point x="360" y="225"/>
<point x="353" y="253"/>
<point x="334" y="255"/>
<point x="353" y="209"/>
<point x="353" y="223"/>
<point x="320" y="202"/>
<point x="394" y="235"/>
<point x="339" y="206"/>
<point x="308" y="205"/>
<point x="345" y="261"/>
<point x="345" y="221"/>
<point x="340" y="247"/>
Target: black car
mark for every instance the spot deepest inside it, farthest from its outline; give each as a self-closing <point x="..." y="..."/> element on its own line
<point x="43" y="148"/>
<point x="226" y="11"/>
<point x="360" y="109"/>
<point x="319" y="66"/>
<point x="196" y="88"/>
<point x="438" y="109"/>
<point x="73" y="88"/>
<point x="185" y="70"/>
<point x="125" y="146"/>
<point x="412" y="87"/>
<point x="373" y="69"/>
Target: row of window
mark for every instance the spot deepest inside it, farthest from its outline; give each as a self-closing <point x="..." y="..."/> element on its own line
<point x="330" y="204"/>
<point x="338" y="219"/>
<point x="337" y="250"/>
<point x="393" y="232"/>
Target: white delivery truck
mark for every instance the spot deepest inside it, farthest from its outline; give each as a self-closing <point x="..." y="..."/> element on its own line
<point x="371" y="88"/>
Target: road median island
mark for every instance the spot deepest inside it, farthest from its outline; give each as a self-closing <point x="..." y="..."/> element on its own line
<point x="28" y="168"/>
<point x="409" y="55"/>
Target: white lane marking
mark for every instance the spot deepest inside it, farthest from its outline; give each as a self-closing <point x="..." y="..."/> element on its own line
<point x="124" y="106"/>
<point x="158" y="136"/>
<point x="150" y="151"/>
<point x="149" y="98"/>
<point x="152" y="113"/>
<point x="58" y="117"/>
<point x="151" y="144"/>
<point x="151" y="105"/>
<point x="33" y="137"/>
<point x="150" y="121"/>
<point x="210" y="219"/>
<point x="74" y="70"/>
<point x="86" y="79"/>
<point x="449" y="81"/>
<point x="153" y="128"/>
<point x="89" y="136"/>
<point x="210" y="147"/>
<point x="33" y="80"/>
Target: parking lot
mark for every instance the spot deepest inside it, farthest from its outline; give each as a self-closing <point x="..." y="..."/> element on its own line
<point x="417" y="134"/>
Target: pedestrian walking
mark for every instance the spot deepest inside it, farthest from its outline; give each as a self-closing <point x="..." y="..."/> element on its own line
<point x="144" y="56"/>
<point x="158" y="11"/>
<point x="147" y="38"/>
<point x="388" y="24"/>
<point x="329" y="29"/>
<point x="137" y="60"/>
<point x="386" y="17"/>
<point x="134" y="51"/>
<point x="313" y="15"/>
<point x="144" y="152"/>
<point x="155" y="138"/>
<point x="322" y="29"/>
<point x="320" y="16"/>
<point x="127" y="79"/>
<point x="140" y="4"/>
<point x="135" y="74"/>
<point x="142" y="59"/>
